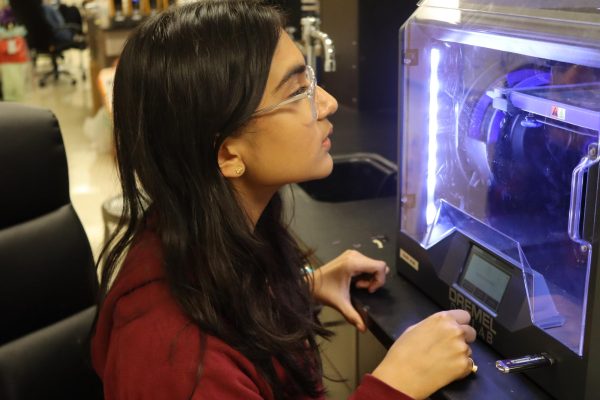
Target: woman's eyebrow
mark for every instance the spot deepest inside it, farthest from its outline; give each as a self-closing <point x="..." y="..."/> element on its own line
<point x="295" y="70"/>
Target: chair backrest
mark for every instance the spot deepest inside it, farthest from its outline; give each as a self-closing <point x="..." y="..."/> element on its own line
<point x="71" y="15"/>
<point x="30" y="14"/>
<point x="46" y="265"/>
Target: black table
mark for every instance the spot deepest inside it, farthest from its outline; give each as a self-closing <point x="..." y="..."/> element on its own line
<point x="331" y="228"/>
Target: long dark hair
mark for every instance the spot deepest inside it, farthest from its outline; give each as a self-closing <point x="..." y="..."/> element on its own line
<point x="187" y="79"/>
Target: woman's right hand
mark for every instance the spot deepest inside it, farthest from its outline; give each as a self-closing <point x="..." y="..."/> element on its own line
<point x="429" y="355"/>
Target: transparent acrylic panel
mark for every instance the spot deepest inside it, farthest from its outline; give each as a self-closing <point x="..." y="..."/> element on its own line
<point x="563" y="10"/>
<point x="500" y="144"/>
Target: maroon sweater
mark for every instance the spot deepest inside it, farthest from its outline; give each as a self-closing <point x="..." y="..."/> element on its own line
<point x="146" y="348"/>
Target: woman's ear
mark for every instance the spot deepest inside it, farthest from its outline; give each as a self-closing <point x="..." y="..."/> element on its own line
<point x="230" y="160"/>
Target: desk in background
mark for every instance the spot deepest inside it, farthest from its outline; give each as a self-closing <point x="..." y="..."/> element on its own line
<point x="104" y="86"/>
<point x="106" y="44"/>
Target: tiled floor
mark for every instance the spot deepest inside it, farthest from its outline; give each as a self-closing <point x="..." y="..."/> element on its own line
<point x="92" y="174"/>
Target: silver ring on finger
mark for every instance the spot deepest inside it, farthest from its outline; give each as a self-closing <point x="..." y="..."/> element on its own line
<point x="474" y="366"/>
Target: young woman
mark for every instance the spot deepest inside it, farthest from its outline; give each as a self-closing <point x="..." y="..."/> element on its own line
<point x="214" y="111"/>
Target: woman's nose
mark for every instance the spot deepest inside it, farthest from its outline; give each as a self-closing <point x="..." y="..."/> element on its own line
<point x="326" y="103"/>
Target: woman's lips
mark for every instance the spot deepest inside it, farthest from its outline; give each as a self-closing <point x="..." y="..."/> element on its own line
<point x="327" y="142"/>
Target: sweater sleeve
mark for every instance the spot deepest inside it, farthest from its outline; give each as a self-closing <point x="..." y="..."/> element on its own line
<point x="371" y="388"/>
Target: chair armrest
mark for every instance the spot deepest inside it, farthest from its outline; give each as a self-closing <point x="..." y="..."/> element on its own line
<point x="51" y="363"/>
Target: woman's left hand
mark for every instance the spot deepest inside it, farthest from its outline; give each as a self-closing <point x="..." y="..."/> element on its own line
<point x="331" y="283"/>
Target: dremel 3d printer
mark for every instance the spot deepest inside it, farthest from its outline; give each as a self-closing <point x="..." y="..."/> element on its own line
<point x="499" y="189"/>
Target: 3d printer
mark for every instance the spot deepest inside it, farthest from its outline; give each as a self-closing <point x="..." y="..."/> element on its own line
<point x="499" y="196"/>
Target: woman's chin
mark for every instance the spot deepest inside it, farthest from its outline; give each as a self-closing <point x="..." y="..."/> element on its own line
<point x="327" y="168"/>
<point x="320" y="171"/>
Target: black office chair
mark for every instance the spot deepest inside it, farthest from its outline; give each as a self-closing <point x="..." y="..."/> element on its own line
<point x="48" y="282"/>
<point x="42" y="37"/>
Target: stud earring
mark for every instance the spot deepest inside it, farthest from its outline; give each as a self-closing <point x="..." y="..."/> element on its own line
<point x="238" y="170"/>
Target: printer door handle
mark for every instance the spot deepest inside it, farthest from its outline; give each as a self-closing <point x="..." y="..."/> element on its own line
<point x="584" y="197"/>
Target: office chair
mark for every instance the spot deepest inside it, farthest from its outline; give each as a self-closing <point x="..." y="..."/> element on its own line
<point x="74" y="22"/>
<point x="43" y="38"/>
<point x="48" y="281"/>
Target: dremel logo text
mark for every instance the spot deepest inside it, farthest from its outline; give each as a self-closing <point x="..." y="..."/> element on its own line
<point x="480" y="320"/>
